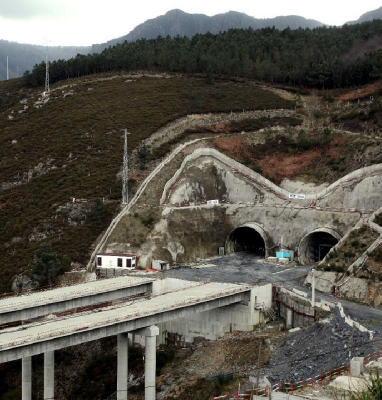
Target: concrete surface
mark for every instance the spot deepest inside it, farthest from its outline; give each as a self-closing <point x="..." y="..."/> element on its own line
<point x="36" y="304"/>
<point x="302" y="187"/>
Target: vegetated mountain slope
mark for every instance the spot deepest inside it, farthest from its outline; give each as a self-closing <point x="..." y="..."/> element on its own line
<point x="23" y="57"/>
<point x="179" y="23"/>
<point x="369" y="16"/>
<point x="72" y="146"/>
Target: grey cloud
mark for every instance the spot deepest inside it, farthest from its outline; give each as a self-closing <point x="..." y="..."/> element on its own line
<point x="27" y="9"/>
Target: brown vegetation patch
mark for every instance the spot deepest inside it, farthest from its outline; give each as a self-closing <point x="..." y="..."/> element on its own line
<point x="335" y="149"/>
<point x="219" y="128"/>
<point x="360" y="93"/>
<point x="235" y="146"/>
<point x="277" y="166"/>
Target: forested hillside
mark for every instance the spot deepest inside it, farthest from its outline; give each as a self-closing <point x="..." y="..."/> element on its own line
<point x="321" y="58"/>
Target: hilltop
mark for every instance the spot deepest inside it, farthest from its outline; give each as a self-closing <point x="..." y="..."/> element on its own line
<point x="179" y="23"/>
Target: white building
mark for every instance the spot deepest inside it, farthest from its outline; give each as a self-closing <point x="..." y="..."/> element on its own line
<point x="160" y="265"/>
<point x="111" y="260"/>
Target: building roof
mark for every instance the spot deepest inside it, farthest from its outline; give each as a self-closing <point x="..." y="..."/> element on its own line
<point x="117" y="254"/>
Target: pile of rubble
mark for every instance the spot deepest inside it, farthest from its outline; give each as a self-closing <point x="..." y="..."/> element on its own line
<point x="322" y="347"/>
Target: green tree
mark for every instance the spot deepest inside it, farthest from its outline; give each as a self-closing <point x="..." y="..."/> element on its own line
<point x="143" y="154"/>
<point x="47" y="265"/>
<point x="97" y="209"/>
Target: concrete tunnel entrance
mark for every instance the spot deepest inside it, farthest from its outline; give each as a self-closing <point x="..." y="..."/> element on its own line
<point x="250" y="238"/>
<point x="316" y="245"/>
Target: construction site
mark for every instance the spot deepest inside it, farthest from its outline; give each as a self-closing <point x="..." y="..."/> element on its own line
<point x="213" y="280"/>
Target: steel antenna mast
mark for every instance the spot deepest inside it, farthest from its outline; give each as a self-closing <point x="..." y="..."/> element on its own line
<point x="125" y="171"/>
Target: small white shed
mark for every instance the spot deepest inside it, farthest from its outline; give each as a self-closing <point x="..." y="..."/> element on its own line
<point x="160" y="265"/>
<point x="111" y="260"/>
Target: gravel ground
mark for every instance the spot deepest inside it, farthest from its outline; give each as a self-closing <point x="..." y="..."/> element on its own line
<point x="320" y="348"/>
<point x="240" y="268"/>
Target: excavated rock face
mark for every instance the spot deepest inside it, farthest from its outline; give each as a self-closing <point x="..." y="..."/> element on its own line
<point x="320" y="348"/>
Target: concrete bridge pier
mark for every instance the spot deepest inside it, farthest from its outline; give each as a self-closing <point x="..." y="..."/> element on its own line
<point x="289" y="318"/>
<point x="26" y="378"/>
<point x="122" y="366"/>
<point x="150" y="334"/>
<point x="49" y="375"/>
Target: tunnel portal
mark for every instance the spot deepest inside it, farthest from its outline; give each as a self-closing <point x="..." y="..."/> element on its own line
<point x="246" y="239"/>
<point x="316" y="245"/>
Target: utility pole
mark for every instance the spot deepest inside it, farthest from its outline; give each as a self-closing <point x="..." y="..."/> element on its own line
<point x="7" y="70"/>
<point x="125" y="195"/>
<point x="313" y="289"/>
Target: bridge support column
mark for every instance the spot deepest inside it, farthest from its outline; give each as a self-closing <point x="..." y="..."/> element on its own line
<point x="49" y="375"/>
<point x="26" y="378"/>
<point x="122" y="367"/>
<point x="150" y="334"/>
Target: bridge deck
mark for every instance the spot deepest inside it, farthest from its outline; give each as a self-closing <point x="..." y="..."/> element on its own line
<point x="67" y="293"/>
<point x="85" y="323"/>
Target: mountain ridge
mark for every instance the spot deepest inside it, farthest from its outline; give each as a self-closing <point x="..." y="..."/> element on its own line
<point x="368" y="16"/>
<point x="177" y="22"/>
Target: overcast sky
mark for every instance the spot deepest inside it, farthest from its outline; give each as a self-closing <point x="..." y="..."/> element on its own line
<point x="85" y="22"/>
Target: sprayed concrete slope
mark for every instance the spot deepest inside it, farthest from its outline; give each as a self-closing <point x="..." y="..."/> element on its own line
<point x="190" y="228"/>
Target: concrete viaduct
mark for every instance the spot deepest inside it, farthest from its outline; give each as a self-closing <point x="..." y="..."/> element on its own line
<point x="139" y="317"/>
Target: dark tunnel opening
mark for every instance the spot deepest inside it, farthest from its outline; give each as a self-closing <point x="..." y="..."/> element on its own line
<point x="248" y="240"/>
<point x="315" y="246"/>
